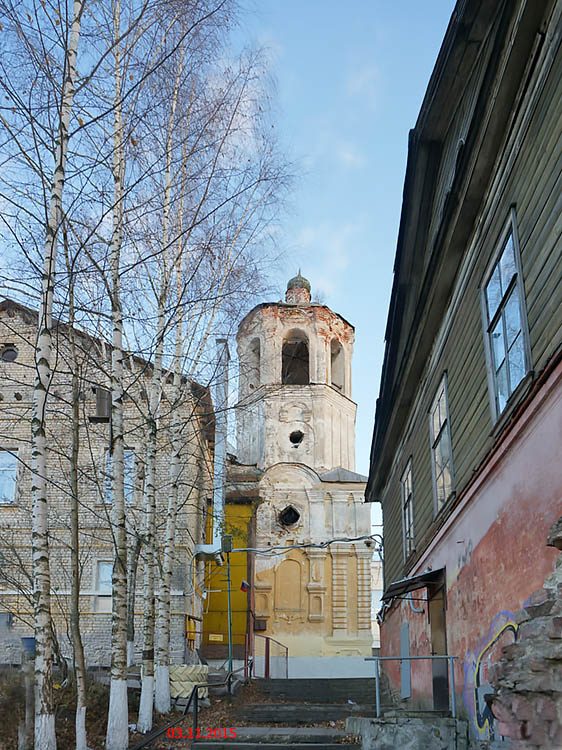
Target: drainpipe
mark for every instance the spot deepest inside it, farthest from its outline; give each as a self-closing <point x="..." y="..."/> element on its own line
<point x="213" y="550"/>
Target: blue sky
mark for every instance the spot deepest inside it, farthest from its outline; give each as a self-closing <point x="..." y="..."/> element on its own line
<point x="350" y="79"/>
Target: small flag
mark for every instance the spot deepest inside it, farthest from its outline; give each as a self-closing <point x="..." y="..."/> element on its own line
<point x="244" y="586"/>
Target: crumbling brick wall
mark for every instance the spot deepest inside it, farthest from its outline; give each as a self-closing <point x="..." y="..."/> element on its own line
<point x="528" y="678"/>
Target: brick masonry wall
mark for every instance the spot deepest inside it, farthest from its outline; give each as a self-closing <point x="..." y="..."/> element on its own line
<point x="17" y="326"/>
<point x="528" y="678"/>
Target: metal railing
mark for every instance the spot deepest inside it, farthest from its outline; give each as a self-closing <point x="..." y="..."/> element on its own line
<point x="257" y="665"/>
<point x="450" y="659"/>
<point x="268" y="663"/>
<point x="193" y="698"/>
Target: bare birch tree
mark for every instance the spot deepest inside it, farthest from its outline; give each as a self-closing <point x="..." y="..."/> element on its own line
<point x="209" y="174"/>
<point x="63" y="79"/>
<point x="76" y="635"/>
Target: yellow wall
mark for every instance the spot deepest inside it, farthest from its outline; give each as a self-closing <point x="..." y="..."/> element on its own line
<point x="237" y="520"/>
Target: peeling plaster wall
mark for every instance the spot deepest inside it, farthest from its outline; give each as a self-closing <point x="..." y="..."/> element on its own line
<point x="315" y="601"/>
<point x="269" y="411"/>
<point x="493" y="549"/>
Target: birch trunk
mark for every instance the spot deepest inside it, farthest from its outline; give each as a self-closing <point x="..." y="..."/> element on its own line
<point x="44" y="709"/>
<point x="162" y="697"/>
<point x="144" y="723"/>
<point x="117" y="736"/>
<point x="77" y="645"/>
<point x="131" y="591"/>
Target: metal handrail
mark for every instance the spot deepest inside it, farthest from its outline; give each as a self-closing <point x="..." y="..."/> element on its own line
<point x="195" y="697"/>
<point x="268" y="640"/>
<point x="449" y="658"/>
<point x="194" y="692"/>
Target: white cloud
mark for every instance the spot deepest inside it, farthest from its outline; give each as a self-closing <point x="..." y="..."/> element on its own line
<point x="364" y="83"/>
<point x="350" y="156"/>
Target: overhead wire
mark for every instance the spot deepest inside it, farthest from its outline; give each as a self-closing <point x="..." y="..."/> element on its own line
<point x="281" y="549"/>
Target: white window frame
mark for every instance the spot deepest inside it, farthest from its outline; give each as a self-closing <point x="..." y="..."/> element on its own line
<point x="13" y="452"/>
<point x="438" y="440"/>
<point x="130" y="477"/>
<point x="490" y="322"/>
<point x="103" y="598"/>
<point x="407" y="506"/>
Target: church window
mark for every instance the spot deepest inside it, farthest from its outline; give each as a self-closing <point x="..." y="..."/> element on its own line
<point x="8" y="353"/>
<point x="295" y="359"/>
<point x="289" y="516"/>
<point x="337" y="362"/>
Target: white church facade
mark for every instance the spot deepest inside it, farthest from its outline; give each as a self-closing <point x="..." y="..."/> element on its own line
<point x="296" y="426"/>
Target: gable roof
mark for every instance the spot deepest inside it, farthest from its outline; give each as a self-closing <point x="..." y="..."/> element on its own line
<point x="439" y="210"/>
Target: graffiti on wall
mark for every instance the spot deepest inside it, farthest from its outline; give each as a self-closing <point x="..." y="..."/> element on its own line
<point x="503" y="630"/>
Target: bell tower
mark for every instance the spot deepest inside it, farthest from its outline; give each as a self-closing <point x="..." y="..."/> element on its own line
<point x="296" y="424"/>
<point x="295" y="384"/>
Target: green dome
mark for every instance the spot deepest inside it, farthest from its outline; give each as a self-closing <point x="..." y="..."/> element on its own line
<point x="298" y="282"/>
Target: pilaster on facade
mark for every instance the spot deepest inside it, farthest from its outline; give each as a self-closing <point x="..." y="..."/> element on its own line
<point x="340" y="554"/>
<point x="263" y="591"/>
<point x="364" y="557"/>
<point x="316" y="589"/>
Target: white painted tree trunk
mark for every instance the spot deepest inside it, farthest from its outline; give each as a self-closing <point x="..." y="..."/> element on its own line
<point x="76" y="635"/>
<point x="45" y="731"/>
<point x="162" y="698"/>
<point x="144" y="722"/>
<point x="44" y="709"/>
<point x="117" y="736"/>
<point x="81" y="739"/>
<point x="117" y="730"/>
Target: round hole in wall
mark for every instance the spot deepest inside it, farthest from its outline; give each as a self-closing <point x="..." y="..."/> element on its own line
<point x="289" y="516"/>
<point x="296" y="437"/>
<point x="8" y="353"/>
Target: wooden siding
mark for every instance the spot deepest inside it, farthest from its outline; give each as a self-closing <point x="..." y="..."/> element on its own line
<point x="534" y="186"/>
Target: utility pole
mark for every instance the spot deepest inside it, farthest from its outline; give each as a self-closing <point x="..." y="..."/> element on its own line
<point x="226" y="545"/>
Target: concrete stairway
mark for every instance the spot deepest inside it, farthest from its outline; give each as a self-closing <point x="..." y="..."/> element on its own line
<point x="280" y="738"/>
<point x="299" y="713"/>
<point x="358" y="690"/>
<point x="312" y="701"/>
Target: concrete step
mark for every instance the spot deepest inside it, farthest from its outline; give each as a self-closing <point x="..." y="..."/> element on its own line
<point x="230" y="745"/>
<point x="272" y="713"/>
<point x="283" y="735"/>
<point x="360" y="690"/>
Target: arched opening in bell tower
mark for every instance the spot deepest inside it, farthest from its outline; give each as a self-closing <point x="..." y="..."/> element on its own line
<point x="295" y="359"/>
<point x="337" y="364"/>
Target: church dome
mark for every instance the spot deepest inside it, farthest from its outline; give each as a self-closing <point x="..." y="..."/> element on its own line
<point x="298" y="282"/>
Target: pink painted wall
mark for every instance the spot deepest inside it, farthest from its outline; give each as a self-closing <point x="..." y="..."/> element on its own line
<point x="493" y="548"/>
